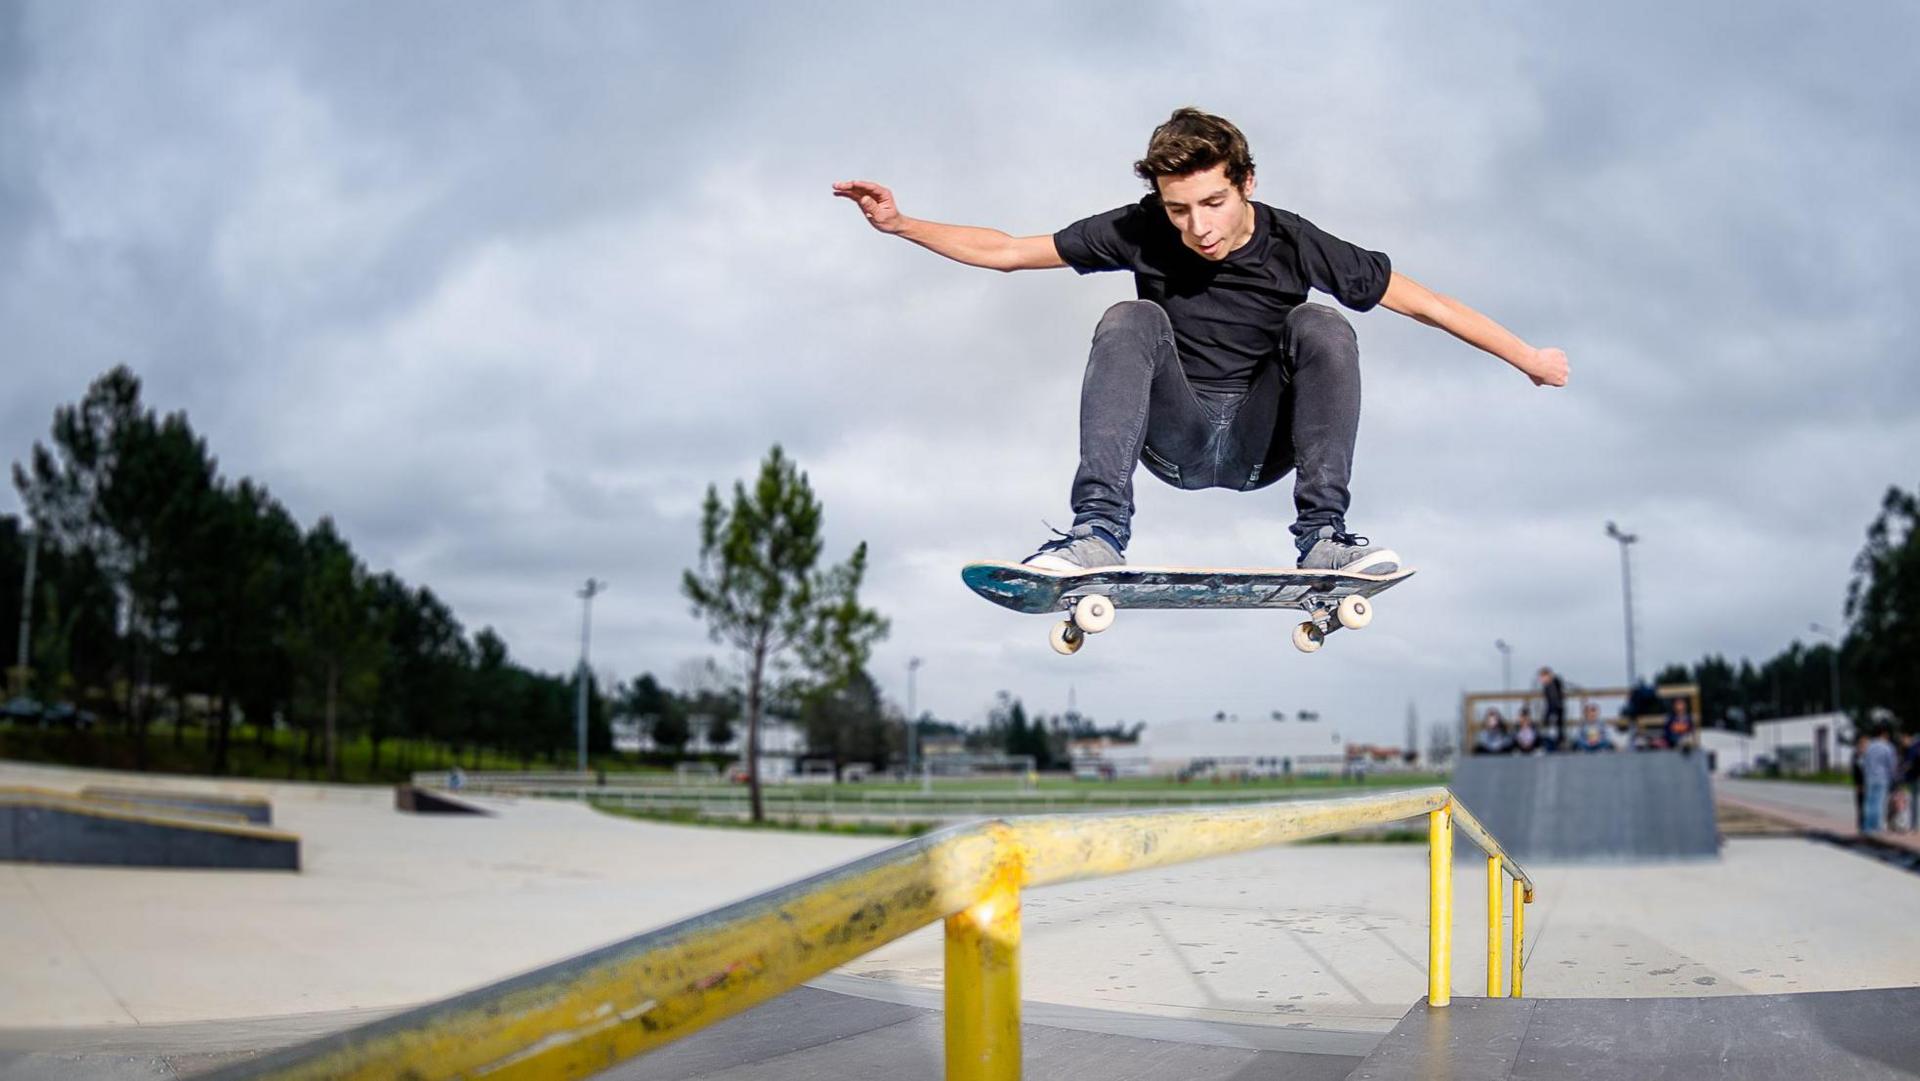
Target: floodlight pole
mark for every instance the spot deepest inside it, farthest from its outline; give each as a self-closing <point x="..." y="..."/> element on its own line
<point x="586" y="595"/>
<point x="1833" y="658"/>
<point x="913" y="748"/>
<point x="32" y="537"/>
<point x="1626" y="588"/>
<point x="1506" y="665"/>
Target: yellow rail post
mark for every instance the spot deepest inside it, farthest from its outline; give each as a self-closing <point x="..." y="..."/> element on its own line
<point x="1519" y="938"/>
<point x="983" y="986"/>
<point x="1493" y="926"/>
<point x="1439" y="907"/>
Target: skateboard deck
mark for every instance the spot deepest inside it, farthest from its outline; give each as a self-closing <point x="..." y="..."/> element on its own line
<point x="1332" y="600"/>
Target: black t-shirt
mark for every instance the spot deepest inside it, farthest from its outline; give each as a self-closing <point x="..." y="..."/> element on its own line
<point x="1227" y="316"/>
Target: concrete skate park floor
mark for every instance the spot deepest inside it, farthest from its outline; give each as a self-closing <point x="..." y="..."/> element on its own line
<point x="1321" y="944"/>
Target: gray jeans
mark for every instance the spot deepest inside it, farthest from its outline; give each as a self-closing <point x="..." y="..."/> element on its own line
<point x="1298" y="414"/>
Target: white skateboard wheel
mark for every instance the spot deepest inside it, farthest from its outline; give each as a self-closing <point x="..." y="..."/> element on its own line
<point x="1094" y="614"/>
<point x="1066" y="638"/>
<point x="1355" y="612"/>
<point x="1307" y="638"/>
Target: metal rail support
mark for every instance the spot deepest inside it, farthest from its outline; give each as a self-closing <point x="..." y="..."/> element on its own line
<point x="1520" y="900"/>
<point x="1495" y="880"/>
<point x="983" y="986"/>
<point x="1439" y="907"/>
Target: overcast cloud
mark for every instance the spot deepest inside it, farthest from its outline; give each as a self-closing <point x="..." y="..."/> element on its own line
<point x="503" y="287"/>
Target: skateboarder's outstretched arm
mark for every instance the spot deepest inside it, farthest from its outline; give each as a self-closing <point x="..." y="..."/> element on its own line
<point x="989" y="248"/>
<point x="1546" y="367"/>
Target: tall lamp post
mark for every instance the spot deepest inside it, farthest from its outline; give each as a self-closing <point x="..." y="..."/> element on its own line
<point x="913" y="748"/>
<point x="587" y="592"/>
<point x="1506" y="667"/>
<point x="1833" y="657"/>
<point x="26" y="613"/>
<point x="1626" y="589"/>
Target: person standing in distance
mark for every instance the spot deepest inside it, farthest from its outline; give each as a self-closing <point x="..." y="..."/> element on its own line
<point x="1222" y="374"/>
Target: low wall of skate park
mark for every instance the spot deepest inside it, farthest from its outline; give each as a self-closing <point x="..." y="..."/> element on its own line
<point x="1622" y="807"/>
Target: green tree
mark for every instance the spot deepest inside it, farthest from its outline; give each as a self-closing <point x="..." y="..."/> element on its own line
<point x="338" y="640"/>
<point x="1883" y="609"/>
<point x="759" y="589"/>
<point x="649" y="704"/>
<point x="847" y="722"/>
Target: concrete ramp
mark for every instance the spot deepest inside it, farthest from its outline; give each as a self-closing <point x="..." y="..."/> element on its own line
<point x="1863" y="1035"/>
<point x="39" y="826"/>
<point x="1623" y="807"/>
<point x="417" y="800"/>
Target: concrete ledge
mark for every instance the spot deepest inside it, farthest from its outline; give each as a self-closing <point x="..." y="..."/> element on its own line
<point x="249" y="809"/>
<point x="37" y="826"/>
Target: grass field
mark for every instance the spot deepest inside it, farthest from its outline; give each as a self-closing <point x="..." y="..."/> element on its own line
<point x="273" y="755"/>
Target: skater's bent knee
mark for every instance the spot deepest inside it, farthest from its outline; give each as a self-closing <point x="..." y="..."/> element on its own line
<point x="1311" y="318"/>
<point x="1137" y="316"/>
<point x="1316" y="328"/>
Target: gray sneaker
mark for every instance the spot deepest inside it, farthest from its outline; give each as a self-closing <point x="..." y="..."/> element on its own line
<point x="1333" y="550"/>
<point x="1081" y="548"/>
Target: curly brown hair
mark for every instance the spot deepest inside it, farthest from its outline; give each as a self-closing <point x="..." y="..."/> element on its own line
<point x="1192" y="141"/>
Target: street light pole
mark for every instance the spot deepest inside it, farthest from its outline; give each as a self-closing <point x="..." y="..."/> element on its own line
<point x="32" y="537"/>
<point x="587" y="592"/>
<point x="1833" y="658"/>
<point x="1626" y="589"/>
<point x="1506" y="668"/>
<point x="913" y="748"/>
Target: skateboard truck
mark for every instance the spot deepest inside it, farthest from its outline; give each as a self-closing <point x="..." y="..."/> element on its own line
<point x="1352" y="611"/>
<point x="1089" y="613"/>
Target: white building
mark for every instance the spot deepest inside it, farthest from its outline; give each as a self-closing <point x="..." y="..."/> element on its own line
<point x="1262" y="747"/>
<point x="1818" y="743"/>
<point x="778" y="739"/>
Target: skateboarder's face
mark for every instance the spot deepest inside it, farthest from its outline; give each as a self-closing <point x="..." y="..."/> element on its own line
<point x="1213" y="216"/>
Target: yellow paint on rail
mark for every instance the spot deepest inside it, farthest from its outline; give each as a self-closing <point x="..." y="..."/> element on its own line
<point x="1439" y="907"/>
<point x="1520" y="899"/>
<point x="983" y="979"/>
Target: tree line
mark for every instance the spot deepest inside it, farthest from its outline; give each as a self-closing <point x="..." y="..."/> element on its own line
<point x="159" y="582"/>
<point x="1872" y="668"/>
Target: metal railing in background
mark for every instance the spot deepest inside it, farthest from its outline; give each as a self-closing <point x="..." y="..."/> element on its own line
<point x="583" y="1015"/>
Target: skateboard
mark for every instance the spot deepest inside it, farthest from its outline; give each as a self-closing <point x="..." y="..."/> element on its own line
<point x="1091" y="599"/>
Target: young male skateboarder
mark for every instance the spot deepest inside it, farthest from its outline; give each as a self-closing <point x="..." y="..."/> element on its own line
<point x="1222" y="374"/>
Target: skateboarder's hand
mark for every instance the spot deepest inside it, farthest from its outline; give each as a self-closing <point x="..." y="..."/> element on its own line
<point x="875" y="201"/>
<point x="1548" y="368"/>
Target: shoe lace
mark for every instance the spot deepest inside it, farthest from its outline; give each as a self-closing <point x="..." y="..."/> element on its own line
<point x="1350" y="540"/>
<point x="1061" y="539"/>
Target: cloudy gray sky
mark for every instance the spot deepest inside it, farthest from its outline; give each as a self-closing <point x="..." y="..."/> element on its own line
<point x="503" y="287"/>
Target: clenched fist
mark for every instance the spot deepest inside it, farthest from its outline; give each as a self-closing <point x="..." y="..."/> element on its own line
<point x="1548" y="368"/>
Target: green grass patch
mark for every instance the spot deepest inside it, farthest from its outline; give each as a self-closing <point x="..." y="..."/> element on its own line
<point x="273" y="755"/>
<point x="694" y="818"/>
<point x="1831" y="777"/>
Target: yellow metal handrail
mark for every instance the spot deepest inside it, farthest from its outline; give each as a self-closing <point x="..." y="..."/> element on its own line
<point x="585" y="1014"/>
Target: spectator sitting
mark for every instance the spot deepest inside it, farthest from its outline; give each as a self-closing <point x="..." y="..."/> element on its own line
<point x="1591" y="739"/>
<point x="1678" y="733"/>
<point x="1526" y="738"/>
<point x="1493" y="736"/>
